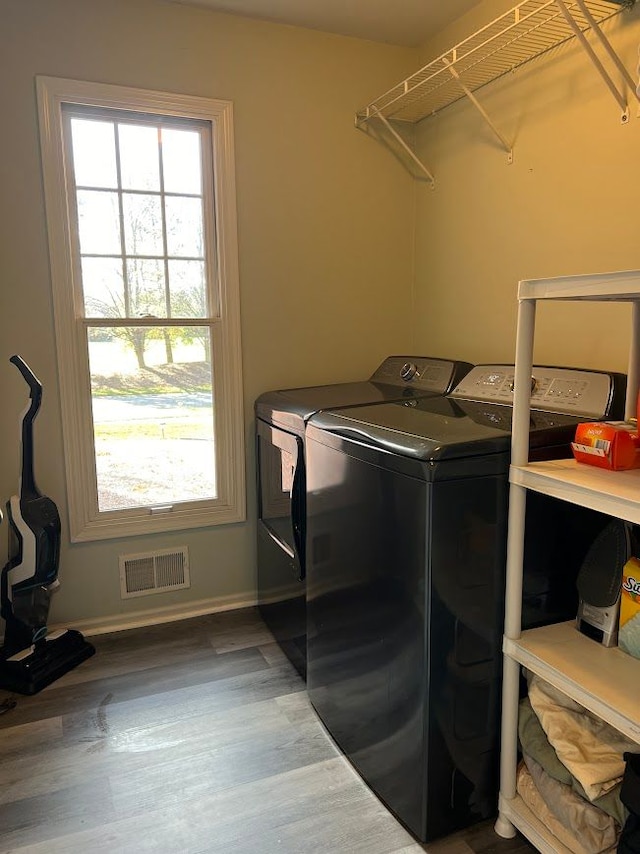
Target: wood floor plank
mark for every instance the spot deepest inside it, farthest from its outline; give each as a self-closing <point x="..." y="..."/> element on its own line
<point x="149" y="649"/>
<point x="297" y="707"/>
<point x="203" y="669"/>
<point x="219" y="768"/>
<point x="359" y="827"/>
<point x="30" y="738"/>
<point x="46" y="816"/>
<point x="158" y="708"/>
<point x="274" y="656"/>
<point x="237" y="630"/>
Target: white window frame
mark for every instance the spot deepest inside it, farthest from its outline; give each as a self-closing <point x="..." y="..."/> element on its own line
<point x="86" y="522"/>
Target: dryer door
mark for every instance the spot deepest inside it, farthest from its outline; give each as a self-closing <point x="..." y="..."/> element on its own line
<point x="281" y="489"/>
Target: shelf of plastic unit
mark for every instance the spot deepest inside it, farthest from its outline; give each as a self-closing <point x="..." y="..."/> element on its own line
<point x="614" y="493"/>
<point x="604" y="681"/>
<point x="530" y="826"/>
<point x="621" y="286"/>
<point x="524" y="32"/>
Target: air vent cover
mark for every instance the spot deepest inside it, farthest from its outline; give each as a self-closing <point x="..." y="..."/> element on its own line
<point x="154" y="572"/>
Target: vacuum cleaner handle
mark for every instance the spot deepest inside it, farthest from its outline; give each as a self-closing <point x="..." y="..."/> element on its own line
<point x="33" y="517"/>
<point x="28" y="488"/>
<point x="35" y="386"/>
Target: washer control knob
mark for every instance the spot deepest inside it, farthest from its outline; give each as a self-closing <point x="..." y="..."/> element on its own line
<point x="534" y="383"/>
<point x="408" y="371"/>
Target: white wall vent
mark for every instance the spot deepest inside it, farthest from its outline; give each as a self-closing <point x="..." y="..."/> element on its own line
<point x="154" y="572"/>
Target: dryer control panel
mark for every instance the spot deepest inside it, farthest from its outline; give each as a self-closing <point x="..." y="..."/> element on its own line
<point x="566" y="390"/>
<point x="420" y="372"/>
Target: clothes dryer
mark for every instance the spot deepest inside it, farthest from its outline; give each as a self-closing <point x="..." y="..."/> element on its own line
<point x="281" y="417"/>
<point x="406" y="543"/>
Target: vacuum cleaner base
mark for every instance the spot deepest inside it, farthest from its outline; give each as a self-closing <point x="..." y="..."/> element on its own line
<point x="32" y="669"/>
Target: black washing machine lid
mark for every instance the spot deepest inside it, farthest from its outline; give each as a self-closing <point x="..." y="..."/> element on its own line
<point x="439" y="428"/>
<point x="293" y="407"/>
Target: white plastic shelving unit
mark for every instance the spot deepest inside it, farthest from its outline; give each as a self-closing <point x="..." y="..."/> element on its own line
<point x="605" y="681"/>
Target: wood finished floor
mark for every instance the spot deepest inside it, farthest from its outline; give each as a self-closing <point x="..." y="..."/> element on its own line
<point x="191" y="737"/>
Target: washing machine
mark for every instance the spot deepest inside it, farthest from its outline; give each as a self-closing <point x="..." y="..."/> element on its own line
<point x="406" y="553"/>
<point x="280" y="419"/>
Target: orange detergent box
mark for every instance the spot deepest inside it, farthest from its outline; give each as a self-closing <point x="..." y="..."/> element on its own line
<point x="629" y="628"/>
<point x="611" y="445"/>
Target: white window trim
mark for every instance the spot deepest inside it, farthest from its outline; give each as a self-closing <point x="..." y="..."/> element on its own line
<point x="85" y="522"/>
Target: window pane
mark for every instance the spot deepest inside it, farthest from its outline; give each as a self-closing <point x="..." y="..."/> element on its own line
<point x="153" y="429"/>
<point x="146" y="286"/>
<point x="103" y="287"/>
<point x="98" y="223"/>
<point x="139" y="163"/>
<point x="184" y="227"/>
<point x="142" y="224"/>
<point x="181" y="161"/>
<point x="94" y="153"/>
<point x="187" y="288"/>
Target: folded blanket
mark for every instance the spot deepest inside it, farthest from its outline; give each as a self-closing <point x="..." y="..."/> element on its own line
<point x="535" y="744"/>
<point x="594" y="829"/>
<point x="588" y="747"/>
<point x="533" y="799"/>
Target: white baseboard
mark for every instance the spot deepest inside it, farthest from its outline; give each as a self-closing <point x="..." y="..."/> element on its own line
<point x="140" y="619"/>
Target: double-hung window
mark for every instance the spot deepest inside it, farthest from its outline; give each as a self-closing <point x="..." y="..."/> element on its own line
<point x="140" y="199"/>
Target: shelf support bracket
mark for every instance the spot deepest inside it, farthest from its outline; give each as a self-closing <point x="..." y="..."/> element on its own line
<point x="507" y="147"/>
<point x="406" y="148"/>
<point x="619" y="96"/>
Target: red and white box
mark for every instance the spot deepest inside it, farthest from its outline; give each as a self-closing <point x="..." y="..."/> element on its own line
<point x="613" y="445"/>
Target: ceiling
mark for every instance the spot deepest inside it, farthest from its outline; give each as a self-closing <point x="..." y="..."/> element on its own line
<point x="400" y="22"/>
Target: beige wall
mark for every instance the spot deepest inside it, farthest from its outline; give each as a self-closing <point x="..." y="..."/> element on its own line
<point x="568" y="204"/>
<point x="330" y="225"/>
<point x="325" y="232"/>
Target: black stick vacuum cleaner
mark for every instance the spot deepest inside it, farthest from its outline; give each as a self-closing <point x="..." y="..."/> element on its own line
<point x="30" y="658"/>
